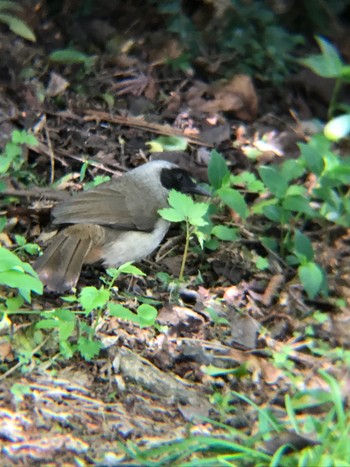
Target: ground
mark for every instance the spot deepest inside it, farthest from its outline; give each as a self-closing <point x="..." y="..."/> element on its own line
<point x="235" y="329"/>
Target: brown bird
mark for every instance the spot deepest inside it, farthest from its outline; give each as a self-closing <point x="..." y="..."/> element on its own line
<point x="115" y="222"/>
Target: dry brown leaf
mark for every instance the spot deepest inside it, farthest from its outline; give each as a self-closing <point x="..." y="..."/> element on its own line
<point x="57" y="85"/>
<point x="237" y="96"/>
<point x="137" y="84"/>
<point x="271" y="290"/>
<point x="261" y="368"/>
<point x="244" y="331"/>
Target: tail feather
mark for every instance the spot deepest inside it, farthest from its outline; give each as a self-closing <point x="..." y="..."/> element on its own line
<point x="60" y="265"/>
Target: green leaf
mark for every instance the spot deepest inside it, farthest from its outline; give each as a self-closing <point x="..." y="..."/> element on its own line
<point x="23" y="282"/>
<point x="273" y="180"/>
<point x="345" y="72"/>
<point x="47" y="324"/>
<point x="147" y="315"/>
<point x="197" y="213"/>
<point x="91" y="298"/>
<point x="222" y="232"/>
<point x="13" y="304"/>
<point x="312" y="278"/>
<point x="66" y="329"/>
<point x="292" y="169"/>
<point x="181" y="202"/>
<point x="13" y="149"/>
<point x="328" y="64"/>
<point x="212" y="244"/>
<point x="311" y="154"/>
<point x="217" y="169"/>
<point x="5" y="163"/>
<point x="17" y="136"/>
<point x="262" y="263"/>
<point x="303" y="247"/>
<point x="296" y="190"/>
<point x="276" y="213"/>
<point x="18" y="27"/>
<point x="129" y="268"/>
<point x="249" y="180"/>
<point x="67" y="349"/>
<point x="66" y="56"/>
<point x="64" y="315"/>
<point x="30" y="140"/>
<point x="120" y="311"/>
<point x="32" y="248"/>
<point x="184" y="208"/>
<point x="88" y="348"/>
<point x="298" y="204"/>
<point x="168" y="143"/>
<point x="260" y="206"/>
<point x="234" y="200"/>
<point x="20" y="240"/>
<point x="26" y="282"/>
<point x="269" y="243"/>
<point x="171" y="215"/>
<point x="9" y="260"/>
<point x="9" y="5"/>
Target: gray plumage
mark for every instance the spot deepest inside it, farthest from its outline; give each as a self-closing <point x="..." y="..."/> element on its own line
<point x="114" y="223"/>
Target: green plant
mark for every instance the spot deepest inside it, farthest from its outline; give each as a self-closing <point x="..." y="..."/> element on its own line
<point x="23" y="245"/>
<point x="9" y="15"/>
<point x="72" y="56"/>
<point x="96" y="180"/>
<point x="184" y="209"/>
<point x="12" y="158"/>
<point x="93" y="300"/>
<point x="288" y="204"/>
<point x="247" y="35"/>
<point x="292" y="438"/>
<point x="16" y="274"/>
<point x="329" y="64"/>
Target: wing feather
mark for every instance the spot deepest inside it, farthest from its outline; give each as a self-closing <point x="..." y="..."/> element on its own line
<point x="107" y="206"/>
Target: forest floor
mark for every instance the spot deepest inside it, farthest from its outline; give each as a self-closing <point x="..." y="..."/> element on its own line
<point x="237" y="329"/>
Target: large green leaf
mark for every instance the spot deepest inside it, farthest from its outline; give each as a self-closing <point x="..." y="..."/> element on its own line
<point x="217" y="169"/>
<point x="273" y="180"/>
<point x="312" y="278"/>
<point x="328" y="64"/>
<point x="235" y="201"/>
<point x="18" y="26"/>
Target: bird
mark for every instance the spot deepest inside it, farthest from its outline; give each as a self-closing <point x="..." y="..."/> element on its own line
<point x="114" y="223"/>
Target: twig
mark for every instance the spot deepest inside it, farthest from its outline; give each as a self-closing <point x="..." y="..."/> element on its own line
<point x="52" y="156"/>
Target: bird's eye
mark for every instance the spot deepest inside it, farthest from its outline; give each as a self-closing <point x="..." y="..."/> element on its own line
<point x="179" y="177"/>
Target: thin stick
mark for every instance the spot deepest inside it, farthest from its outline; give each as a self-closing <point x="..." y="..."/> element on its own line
<point x="51" y="155"/>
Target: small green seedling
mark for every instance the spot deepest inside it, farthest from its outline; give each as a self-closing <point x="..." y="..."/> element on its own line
<point x="329" y="64"/>
<point x="94" y="300"/>
<point x="12" y="156"/>
<point x="184" y="209"/>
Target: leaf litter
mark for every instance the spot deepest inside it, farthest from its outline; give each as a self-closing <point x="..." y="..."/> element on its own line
<point x="147" y="384"/>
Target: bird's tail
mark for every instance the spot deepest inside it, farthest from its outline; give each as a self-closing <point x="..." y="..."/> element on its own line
<point x="60" y="265"/>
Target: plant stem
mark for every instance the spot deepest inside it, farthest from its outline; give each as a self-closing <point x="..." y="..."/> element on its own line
<point x="333" y="101"/>
<point x="184" y="257"/>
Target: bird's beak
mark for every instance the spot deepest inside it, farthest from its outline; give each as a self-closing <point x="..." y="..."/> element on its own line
<point x="199" y="190"/>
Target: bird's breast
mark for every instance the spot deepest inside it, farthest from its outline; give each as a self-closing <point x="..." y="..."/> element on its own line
<point x="133" y="245"/>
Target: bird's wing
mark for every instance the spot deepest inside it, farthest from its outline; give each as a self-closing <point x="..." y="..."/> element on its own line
<point x="107" y="205"/>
